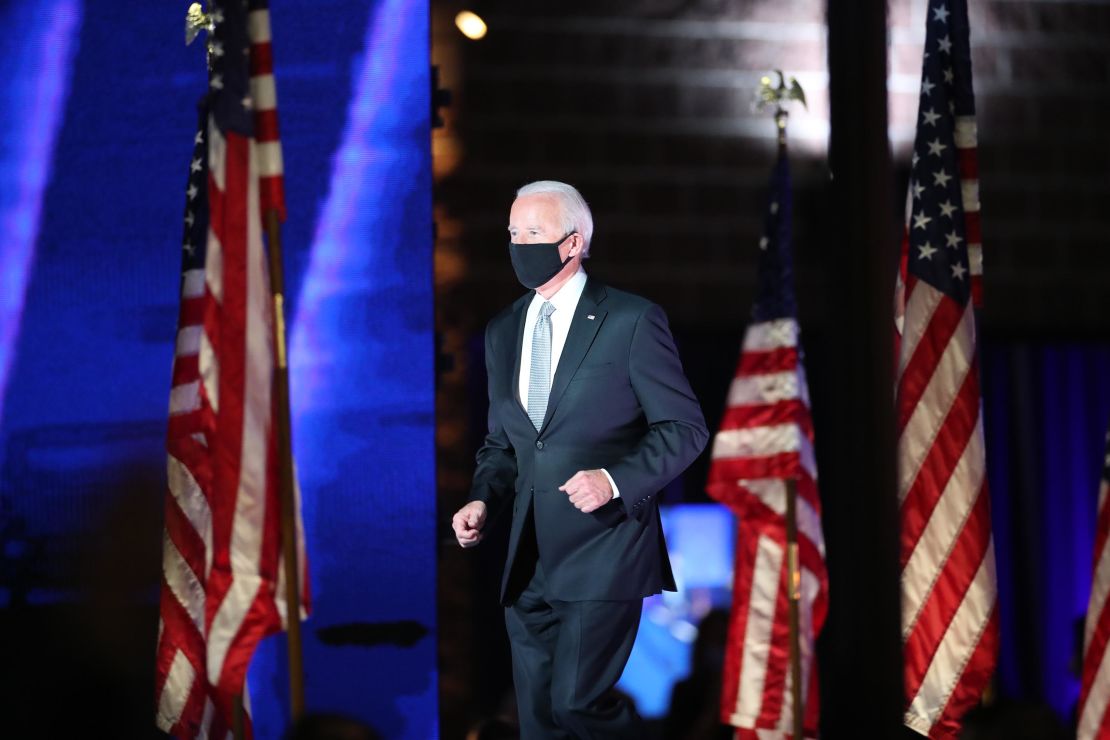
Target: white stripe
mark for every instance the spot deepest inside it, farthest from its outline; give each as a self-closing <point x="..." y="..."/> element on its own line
<point x="928" y="416"/>
<point x="959" y="642"/>
<point x="975" y="258"/>
<point x="942" y="531"/>
<point x="175" y="692"/>
<point x="192" y="284"/>
<point x="258" y="26"/>
<point x="269" y="159"/>
<point x="750" y="390"/>
<point x="250" y="499"/>
<point x="183" y="582"/>
<point x="765" y="441"/>
<point x="772" y="493"/>
<point x="192" y="502"/>
<point x="922" y="303"/>
<point x="263" y="92"/>
<point x="217" y="154"/>
<point x="209" y="365"/>
<point x="185" y="398"/>
<point x="214" y="267"/>
<point x="188" y="340"/>
<point x="966" y="133"/>
<point x="772" y="334"/>
<point x="766" y="579"/>
<point x="1100" y="590"/>
<point x="969" y="191"/>
<point x="1098" y="696"/>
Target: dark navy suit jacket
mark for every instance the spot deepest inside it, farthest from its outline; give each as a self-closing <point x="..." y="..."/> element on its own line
<point x="620" y="401"/>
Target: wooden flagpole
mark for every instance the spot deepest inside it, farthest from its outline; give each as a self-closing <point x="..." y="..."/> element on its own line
<point x="283" y="429"/>
<point x="779" y="96"/>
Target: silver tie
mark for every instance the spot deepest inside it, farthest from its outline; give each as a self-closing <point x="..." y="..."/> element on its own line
<point x="539" y="374"/>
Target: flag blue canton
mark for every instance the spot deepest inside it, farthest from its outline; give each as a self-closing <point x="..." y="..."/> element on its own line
<point x="774" y="297"/>
<point x="196" y="198"/>
<point x="937" y="230"/>
<point x="229" y="79"/>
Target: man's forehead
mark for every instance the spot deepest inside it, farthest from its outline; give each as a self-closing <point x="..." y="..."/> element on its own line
<point x="542" y="206"/>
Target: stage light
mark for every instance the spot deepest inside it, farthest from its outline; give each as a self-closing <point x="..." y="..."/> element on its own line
<point x="471" y="25"/>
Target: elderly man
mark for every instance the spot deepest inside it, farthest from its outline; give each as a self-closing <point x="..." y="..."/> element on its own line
<point x="590" y="415"/>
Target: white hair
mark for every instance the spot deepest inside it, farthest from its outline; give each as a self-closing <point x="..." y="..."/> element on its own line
<point x="575" y="213"/>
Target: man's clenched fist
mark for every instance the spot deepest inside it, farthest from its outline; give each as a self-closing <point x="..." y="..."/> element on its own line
<point x="468" y="522"/>
<point x="588" y="490"/>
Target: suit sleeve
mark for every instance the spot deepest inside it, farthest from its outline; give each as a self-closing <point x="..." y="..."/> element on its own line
<point x="495" y="474"/>
<point x="676" y="427"/>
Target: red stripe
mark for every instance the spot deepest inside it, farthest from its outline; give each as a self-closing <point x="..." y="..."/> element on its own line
<point x="262" y="619"/>
<point x="976" y="674"/>
<point x="761" y="362"/>
<point x="1096" y="650"/>
<point x="262" y="59"/>
<point x="947" y="593"/>
<point x="185" y="369"/>
<point x="189" y="724"/>
<point x="738" y="623"/>
<point x="968" y="162"/>
<point x="941" y="460"/>
<point x="266" y="125"/>
<point x="972" y="227"/>
<point x="192" y="311"/>
<point x="725" y="472"/>
<point x="229" y="223"/>
<point x="178" y="632"/>
<point x="927" y="354"/>
<point x="271" y="191"/>
<point x="183" y="426"/>
<point x="778" y="656"/>
<point x="1102" y="531"/>
<point x="187" y="540"/>
<point x="793" y="411"/>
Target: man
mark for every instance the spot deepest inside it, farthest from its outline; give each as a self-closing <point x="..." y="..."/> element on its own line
<point x="590" y="415"/>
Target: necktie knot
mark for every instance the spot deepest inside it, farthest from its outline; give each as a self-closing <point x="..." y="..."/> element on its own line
<point x="547" y="309"/>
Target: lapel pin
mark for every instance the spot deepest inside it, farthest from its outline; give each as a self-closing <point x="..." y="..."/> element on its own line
<point x="590" y="317"/>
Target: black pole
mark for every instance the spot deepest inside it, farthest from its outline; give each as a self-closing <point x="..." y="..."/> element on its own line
<point x="861" y="641"/>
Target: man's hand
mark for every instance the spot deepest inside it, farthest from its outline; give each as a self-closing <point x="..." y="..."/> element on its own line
<point x="588" y="490"/>
<point x="468" y="522"/>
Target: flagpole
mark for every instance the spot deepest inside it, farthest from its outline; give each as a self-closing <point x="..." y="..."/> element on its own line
<point x="793" y="563"/>
<point x="779" y="96"/>
<point x="283" y="430"/>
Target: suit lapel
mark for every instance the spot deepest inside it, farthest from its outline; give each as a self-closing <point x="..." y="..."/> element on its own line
<point x="583" y="328"/>
<point x="516" y="341"/>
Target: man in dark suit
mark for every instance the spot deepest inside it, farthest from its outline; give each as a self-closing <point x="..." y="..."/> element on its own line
<point x="590" y="415"/>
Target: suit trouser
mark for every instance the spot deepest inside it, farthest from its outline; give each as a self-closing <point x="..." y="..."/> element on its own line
<point x="567" y="657"/>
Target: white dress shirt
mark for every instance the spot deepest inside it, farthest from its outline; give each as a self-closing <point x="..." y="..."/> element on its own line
<point x="565" y="302"/>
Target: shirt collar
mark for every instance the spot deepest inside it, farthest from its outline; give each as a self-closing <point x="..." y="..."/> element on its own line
<point x="566" y="298"/>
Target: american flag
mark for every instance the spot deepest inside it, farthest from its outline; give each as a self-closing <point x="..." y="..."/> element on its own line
<point x="766" y="439"/>
<point x="1094" y="697"/>
<point x="222" y="575"/>
<point x="949" y="612"/>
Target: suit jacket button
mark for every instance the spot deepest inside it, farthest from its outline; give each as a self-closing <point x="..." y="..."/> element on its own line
<point x="539" y="444"/>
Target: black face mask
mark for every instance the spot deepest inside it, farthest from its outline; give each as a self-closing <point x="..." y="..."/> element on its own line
<point x="535" y="264"/>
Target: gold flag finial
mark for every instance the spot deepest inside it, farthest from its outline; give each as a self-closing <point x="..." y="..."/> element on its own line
<point x="779" y="95"/>
<point x="196" y="20"/>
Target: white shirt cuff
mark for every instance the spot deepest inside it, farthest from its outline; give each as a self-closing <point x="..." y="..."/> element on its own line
<point x="612" y="484"/>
